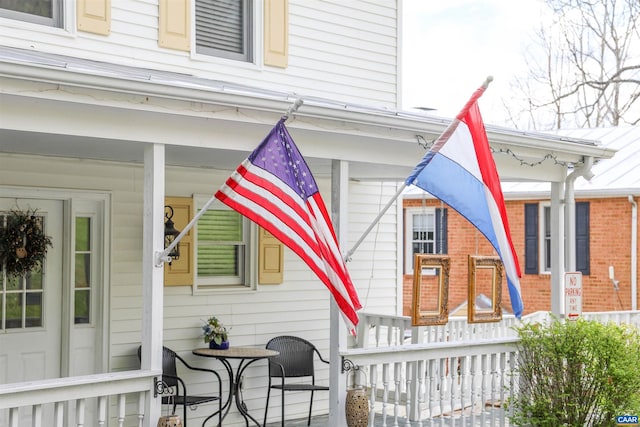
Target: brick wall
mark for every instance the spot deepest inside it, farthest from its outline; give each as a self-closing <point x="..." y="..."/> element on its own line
<point x="610" y="244"/>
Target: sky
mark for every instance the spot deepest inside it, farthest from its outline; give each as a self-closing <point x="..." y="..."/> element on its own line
<point x="450" y="47"/>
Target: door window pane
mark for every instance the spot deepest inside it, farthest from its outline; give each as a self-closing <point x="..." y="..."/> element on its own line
<point x="82" y="307"/>
<point x="21" y="296"/>
<point x="83" y="272"/>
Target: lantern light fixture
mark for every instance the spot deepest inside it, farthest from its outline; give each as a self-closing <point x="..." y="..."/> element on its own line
<point x="170" y="234"/>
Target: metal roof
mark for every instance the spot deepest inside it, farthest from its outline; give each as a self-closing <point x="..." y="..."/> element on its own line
<point x="619" y="175"/>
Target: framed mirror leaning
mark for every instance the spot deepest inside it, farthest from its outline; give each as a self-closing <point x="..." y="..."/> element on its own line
<point x="430" y="290"/>
<point x="485" y="289"/>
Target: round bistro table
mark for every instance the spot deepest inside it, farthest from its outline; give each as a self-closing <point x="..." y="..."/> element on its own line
<point x="246" y="356"/>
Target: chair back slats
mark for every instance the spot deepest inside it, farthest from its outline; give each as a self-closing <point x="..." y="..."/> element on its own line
<point x="169" y="370"/>
<point x="296" y="357"/>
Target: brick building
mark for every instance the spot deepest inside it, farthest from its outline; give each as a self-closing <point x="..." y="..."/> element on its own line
<point x="606" y="232"/>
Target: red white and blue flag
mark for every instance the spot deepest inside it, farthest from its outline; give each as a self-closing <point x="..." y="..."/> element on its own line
<point x="275" y="188"/>
<point x="459" y="170"/>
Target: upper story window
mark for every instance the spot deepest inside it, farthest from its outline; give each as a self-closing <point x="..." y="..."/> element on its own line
<point x="224" y="28"/>
<point x="425" y="233"/>
<point x="44" y="12"/>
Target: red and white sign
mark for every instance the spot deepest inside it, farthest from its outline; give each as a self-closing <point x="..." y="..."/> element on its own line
<point x="573" y="295"/>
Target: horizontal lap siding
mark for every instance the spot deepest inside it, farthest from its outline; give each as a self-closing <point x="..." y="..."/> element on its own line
<point x="345" y="51"/>
<point x="374" y="264"/>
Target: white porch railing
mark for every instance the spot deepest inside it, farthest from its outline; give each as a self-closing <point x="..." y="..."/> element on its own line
<point x="454" y="374"/>
<point x="445" y="375"/>
<point x="113" y="399"/>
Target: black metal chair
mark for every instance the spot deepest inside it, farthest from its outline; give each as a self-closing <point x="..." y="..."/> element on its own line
<point x="174" y="390"/>
<point x="296" y="360"/>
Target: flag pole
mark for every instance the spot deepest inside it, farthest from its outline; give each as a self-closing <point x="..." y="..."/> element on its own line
<point x="162" y="257"/>
<point x="347" y="257"/>
<point x="440" y="139"/>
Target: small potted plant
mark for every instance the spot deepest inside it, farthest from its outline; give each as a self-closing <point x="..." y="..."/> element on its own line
<point x="215" y="333"/>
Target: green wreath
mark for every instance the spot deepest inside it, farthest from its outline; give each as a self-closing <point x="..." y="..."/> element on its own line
<point x="23" y="244"/>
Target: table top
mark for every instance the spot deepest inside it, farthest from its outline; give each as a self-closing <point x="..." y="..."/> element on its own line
<point x="238" y="352"/>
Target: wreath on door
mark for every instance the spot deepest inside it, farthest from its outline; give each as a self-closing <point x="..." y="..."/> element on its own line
<point x="23" y="244"/>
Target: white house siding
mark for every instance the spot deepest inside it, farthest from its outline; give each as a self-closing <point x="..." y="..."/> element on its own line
<point x="374" y="265"/>
<point x="299" y="306"/>
<point x="346" y="51"/>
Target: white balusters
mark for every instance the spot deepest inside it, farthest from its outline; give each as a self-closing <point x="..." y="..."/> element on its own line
<point x="385" y="393"/>
<point x="397" y="376"/>
<point x="122" y="406"/>
<point x="80" y="411"/>
<point x="102" y="410"/>
<point x="141" y="399"/>
<point x="58" y="414"/>
<point x="36" y="420"/>
<point x="474" y="387"/>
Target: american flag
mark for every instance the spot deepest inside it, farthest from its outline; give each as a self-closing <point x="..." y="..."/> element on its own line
<point x="275" y="188"/>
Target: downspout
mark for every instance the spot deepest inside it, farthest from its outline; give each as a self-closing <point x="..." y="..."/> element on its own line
<point x="634" y="253"/>
<point x="570" y="211"/>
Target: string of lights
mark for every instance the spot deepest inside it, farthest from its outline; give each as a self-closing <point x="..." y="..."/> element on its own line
<point x="422" y="142"/>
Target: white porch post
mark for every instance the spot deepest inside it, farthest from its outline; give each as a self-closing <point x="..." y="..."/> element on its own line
<point x="152" y="275"/>
<point x="557" y="249"/>
<point x="338" y="338"/>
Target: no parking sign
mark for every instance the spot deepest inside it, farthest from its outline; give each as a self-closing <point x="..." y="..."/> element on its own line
<point x="573" y="295"/>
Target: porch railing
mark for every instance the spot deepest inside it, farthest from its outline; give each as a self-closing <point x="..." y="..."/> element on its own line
<point x="415" y="377"/>
<point x="443" y="375"/>
<point x="92" y="400"/>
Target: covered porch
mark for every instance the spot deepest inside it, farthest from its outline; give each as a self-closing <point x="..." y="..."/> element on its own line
<point x="131" y="137"/>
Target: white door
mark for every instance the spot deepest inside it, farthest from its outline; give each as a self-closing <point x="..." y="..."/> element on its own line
<point x="30" y="307"/>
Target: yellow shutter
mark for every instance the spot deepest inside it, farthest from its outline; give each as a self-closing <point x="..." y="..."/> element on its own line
<point x="174" y="24"/>
<point x="270" y="259"/>
<point x="94" y="16"/>
<point x="180" y="272"/>
<point x="276" y="33"/>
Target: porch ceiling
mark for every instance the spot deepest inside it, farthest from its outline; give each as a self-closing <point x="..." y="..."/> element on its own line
<point x="73" y="146"/>
<point x="61" y="106"/>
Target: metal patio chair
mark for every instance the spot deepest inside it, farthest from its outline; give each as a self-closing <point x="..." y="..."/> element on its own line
<point x="295" y="361"/>
<point x="174" y="389"/>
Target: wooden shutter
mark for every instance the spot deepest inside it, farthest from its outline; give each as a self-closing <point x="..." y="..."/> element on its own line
<point x="441" y="231"/>
<point x="276" y="33"/>
<point x="94" y="16"/>
<point x="174" y="24"/>
<point x="180" y="271"/>
<point x="582" y="237"/>
<point x="531" y="238"/>
<point x="270" y="259"/>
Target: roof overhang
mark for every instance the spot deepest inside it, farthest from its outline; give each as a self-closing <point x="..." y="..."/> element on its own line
<point x="61" y="106"/>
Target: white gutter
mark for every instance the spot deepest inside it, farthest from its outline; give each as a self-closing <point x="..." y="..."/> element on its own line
<point x="634" y="253"/>
<point x="570" y="211"/>
<point x="238" y="96"/>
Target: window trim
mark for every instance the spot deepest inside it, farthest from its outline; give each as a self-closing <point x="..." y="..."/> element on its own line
<point x="408" y="234"/>
<point x="248" y="281"/>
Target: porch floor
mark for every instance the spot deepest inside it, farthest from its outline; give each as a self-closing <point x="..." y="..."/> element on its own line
<point x="323" y="421"/>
